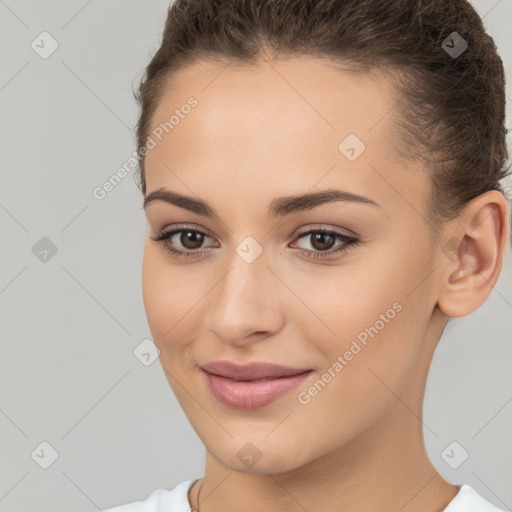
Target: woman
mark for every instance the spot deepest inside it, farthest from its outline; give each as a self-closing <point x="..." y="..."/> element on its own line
<point x="321" y="181"/>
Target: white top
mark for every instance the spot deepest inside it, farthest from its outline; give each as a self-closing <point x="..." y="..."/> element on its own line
<point x="176" y="500"/>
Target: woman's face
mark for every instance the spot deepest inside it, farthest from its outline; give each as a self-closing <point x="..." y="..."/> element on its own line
<point x="344" y="288"/>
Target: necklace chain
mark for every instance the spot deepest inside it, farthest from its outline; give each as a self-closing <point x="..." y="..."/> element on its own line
<point x="192" y="509"/>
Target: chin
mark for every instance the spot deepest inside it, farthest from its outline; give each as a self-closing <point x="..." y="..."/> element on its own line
<point x="271" y="465"/>
<point x="260" y="456"/>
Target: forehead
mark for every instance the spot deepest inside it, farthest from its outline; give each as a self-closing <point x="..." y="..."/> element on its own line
<point x="277" y="121"/>
<point x="320" y="92"/>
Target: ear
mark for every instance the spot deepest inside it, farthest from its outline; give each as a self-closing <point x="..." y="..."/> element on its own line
<point x="472" y="254"/>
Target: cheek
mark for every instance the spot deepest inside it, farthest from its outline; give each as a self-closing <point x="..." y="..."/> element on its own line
<point x="336" y="303"/>
<point x="369" y="313"/>
<point x="169" y="295"/>
<point x="374" y="349"/>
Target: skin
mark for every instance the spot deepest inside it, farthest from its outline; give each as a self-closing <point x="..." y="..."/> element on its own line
<point x="270" y="130"/>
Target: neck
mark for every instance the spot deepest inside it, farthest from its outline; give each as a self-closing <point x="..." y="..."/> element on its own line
<point x="385" y="469"/>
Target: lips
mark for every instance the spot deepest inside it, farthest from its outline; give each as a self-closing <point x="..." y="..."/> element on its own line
<point x="251" y="371"/>
<point x="253" y="385"/>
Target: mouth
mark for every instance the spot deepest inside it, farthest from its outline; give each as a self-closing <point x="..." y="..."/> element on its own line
<point x="255" y="393"/>
<point x="254" y="371"/>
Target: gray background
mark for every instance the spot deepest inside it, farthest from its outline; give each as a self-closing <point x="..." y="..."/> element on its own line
<point x="69" y="325"/>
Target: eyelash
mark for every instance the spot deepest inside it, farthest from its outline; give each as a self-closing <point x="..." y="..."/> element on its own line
<point x="349" y="242"/>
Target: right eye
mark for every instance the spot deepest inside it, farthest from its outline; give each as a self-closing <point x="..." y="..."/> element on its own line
<point x="189" y="238"/>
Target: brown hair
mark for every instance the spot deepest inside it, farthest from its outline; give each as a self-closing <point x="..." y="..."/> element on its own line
<point x="451" y="111"/>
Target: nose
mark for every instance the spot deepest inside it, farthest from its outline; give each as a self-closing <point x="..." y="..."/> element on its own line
<point x="247" y="303"/>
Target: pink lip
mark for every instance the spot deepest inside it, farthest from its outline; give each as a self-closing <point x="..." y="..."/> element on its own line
<point x="252" y="385"/>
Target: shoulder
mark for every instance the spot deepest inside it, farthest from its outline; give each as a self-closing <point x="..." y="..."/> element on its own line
<point x="468" y="500"/>
<point x="161" y="500"/>
<point x="176" y="500"/>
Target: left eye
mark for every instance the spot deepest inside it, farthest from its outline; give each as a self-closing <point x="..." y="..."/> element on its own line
<point x="323" y="240"/>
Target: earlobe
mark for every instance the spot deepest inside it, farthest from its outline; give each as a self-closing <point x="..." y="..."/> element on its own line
<point x="472" y="257"/>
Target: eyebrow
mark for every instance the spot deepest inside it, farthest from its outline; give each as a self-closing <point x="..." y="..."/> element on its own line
<point x="278" y="207"/>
